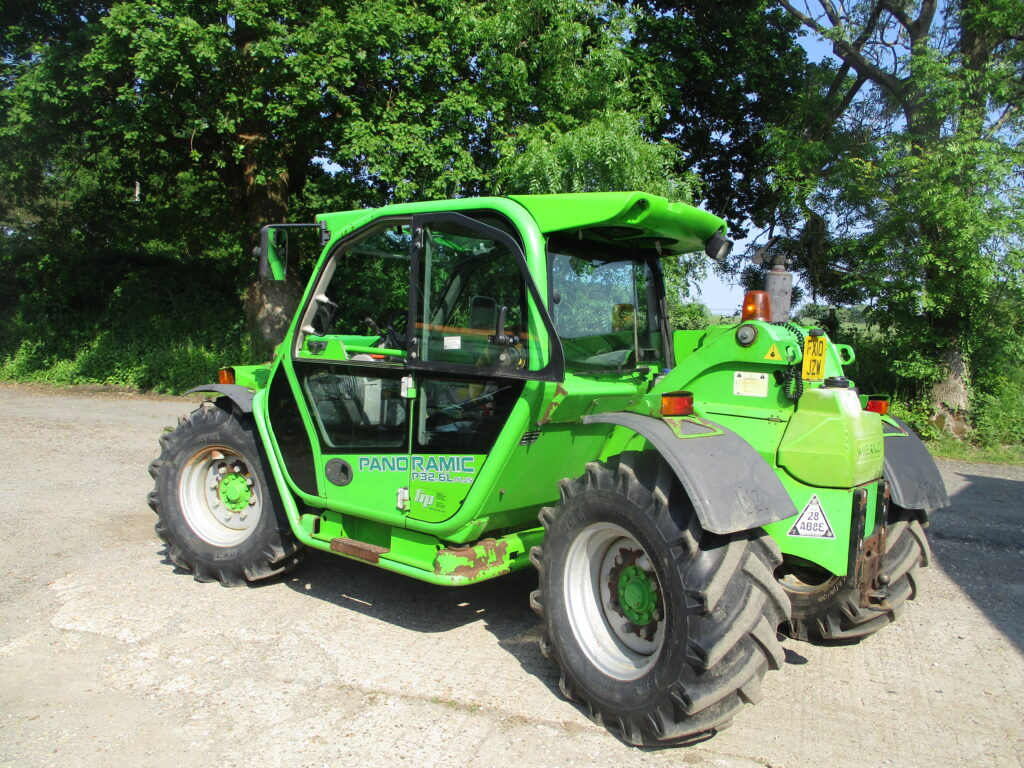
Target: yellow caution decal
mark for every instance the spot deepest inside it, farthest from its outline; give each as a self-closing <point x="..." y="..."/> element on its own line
<point x="773" y="353"/>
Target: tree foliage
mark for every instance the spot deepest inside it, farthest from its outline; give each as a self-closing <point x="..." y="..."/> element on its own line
<point x="902" y="182"/>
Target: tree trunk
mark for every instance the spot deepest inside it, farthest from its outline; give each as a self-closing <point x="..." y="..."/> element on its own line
<point x="951" y="396"/>
<point x="269" y="305"/>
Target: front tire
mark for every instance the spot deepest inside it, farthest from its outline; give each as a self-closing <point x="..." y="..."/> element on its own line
<point x="663" y="630"/>
<point x="826" y="608"/>
<point x="218" y="515"/>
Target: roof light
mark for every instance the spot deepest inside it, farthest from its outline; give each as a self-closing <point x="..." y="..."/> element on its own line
<point x="878" y="404"/>
<point x="757" y="306"/>
<point x="677" y="404"/>
<point x="226" y="375"/>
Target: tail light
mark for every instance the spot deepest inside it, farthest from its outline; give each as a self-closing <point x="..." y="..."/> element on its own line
<point x="757" y="306"/>
<point x="878" y="404"/>
<point x="677" y="404"/>
<point x="226" y="375"/>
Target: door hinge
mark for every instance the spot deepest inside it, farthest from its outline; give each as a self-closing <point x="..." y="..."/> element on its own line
<point x="408" y="388"/>
<point x="402" y="500"/>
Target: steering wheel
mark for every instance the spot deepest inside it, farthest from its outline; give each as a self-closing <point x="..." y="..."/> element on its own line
<point x="393" y="337"/>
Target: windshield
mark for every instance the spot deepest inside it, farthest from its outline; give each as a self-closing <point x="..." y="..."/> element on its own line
<point x="601" y="310"/>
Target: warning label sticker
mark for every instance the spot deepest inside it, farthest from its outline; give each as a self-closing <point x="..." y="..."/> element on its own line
<point x="773" y="353"/>
<point x="748" y="384"/>
<point x="812" y="522"/>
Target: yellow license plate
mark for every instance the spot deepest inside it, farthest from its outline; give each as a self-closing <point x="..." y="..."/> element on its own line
<point x="814" y="358"/>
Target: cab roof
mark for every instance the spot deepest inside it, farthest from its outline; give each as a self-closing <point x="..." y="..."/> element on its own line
<point x="624" y="218"/>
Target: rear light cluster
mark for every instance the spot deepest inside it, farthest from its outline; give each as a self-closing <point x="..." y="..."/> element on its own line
<point x="677" y="404"/>
<point x="877" y="404"/>
<point x="226" y="375"/>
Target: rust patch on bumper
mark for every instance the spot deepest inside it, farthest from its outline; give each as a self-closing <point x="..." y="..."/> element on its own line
<point x="369" y="552"/>
<point x="487" y="556"/>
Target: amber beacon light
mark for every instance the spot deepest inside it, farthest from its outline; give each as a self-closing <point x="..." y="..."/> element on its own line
<point x="757" y="306"/>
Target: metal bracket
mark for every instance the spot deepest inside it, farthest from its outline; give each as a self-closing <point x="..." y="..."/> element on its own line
<point x="402" y="499"/>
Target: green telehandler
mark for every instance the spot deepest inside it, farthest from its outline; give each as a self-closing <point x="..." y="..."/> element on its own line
<point x="473" y="387"/>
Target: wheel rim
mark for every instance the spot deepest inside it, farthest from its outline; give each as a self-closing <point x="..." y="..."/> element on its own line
<point x="614" y="601"/>
<point x="219" y="496"/>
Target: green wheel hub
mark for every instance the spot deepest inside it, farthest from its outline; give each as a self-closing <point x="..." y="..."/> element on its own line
<point x="219" y="497"/>
<point x="234" y="492"/>
<point x="637" y="595"/>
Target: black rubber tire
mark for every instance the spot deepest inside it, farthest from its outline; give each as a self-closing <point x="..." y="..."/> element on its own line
<point x="720" y="603"/>
<point x="269" y="549"/>
<point x="830" y="611"/>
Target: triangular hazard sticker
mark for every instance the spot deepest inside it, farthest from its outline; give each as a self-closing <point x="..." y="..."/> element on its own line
<point x="773" y="353"/>
<point x="812" y="522"/>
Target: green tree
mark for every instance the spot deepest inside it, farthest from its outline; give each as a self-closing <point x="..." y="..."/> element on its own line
<point x="902" y="175"/>
<point x="725" y="75"/>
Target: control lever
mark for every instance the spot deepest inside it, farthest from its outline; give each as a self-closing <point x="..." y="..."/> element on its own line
<point x="500" y="337"/>
<point x="373" y="326"/>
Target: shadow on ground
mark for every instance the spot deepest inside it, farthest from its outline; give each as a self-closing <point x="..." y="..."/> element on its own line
<point x="979" y="542"/>
<point x="502" y="604"/>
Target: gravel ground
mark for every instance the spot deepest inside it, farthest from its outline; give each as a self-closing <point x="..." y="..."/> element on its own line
<point x="110" y="656"/>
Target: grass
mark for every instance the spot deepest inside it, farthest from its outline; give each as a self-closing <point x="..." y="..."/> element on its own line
<point x="947" y="447"/>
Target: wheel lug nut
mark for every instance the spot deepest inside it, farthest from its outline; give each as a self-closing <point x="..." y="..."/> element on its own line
<point x="222" y="470"/>
<point x="243" y="514"/>
<point x="252" y="501"/>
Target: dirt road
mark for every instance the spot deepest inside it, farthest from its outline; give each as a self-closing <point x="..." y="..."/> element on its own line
<point x="110" y="657"/>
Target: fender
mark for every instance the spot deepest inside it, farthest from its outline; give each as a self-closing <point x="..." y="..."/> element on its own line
<point x="240" y="396"/>
<point x="914" y="479"/>
<point x="732" y="488"/>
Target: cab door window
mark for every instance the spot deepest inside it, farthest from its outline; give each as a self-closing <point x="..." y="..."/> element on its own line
<point x="357" y="408"/>
<point x="363" y="291"/>
<point x="475" y="310"/>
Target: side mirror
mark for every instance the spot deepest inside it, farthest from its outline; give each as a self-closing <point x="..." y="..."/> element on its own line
<point x="718" y="247"/>
<point x="273" y="253"/>
<point x="483" y="312"/>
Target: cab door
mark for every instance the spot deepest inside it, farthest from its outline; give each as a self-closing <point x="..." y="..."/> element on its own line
<point x="412" y="350"/>
<point x="476" y="336"/>
<point x="339" y="402"/>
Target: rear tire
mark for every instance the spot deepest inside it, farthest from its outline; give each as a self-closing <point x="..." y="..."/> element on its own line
<point x="662" y="630"/>
<point x="218" y="515"/>
<point x="827" y="608"/>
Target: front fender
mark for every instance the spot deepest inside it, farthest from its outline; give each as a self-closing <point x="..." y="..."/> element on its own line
<point x="914" y="479"/>
<point x="240" y="396"/>
<point x="732" y="488"/>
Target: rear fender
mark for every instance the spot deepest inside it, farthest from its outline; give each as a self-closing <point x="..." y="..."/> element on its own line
<point x="732" y="488"/>
<point x="914" y="479"/>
